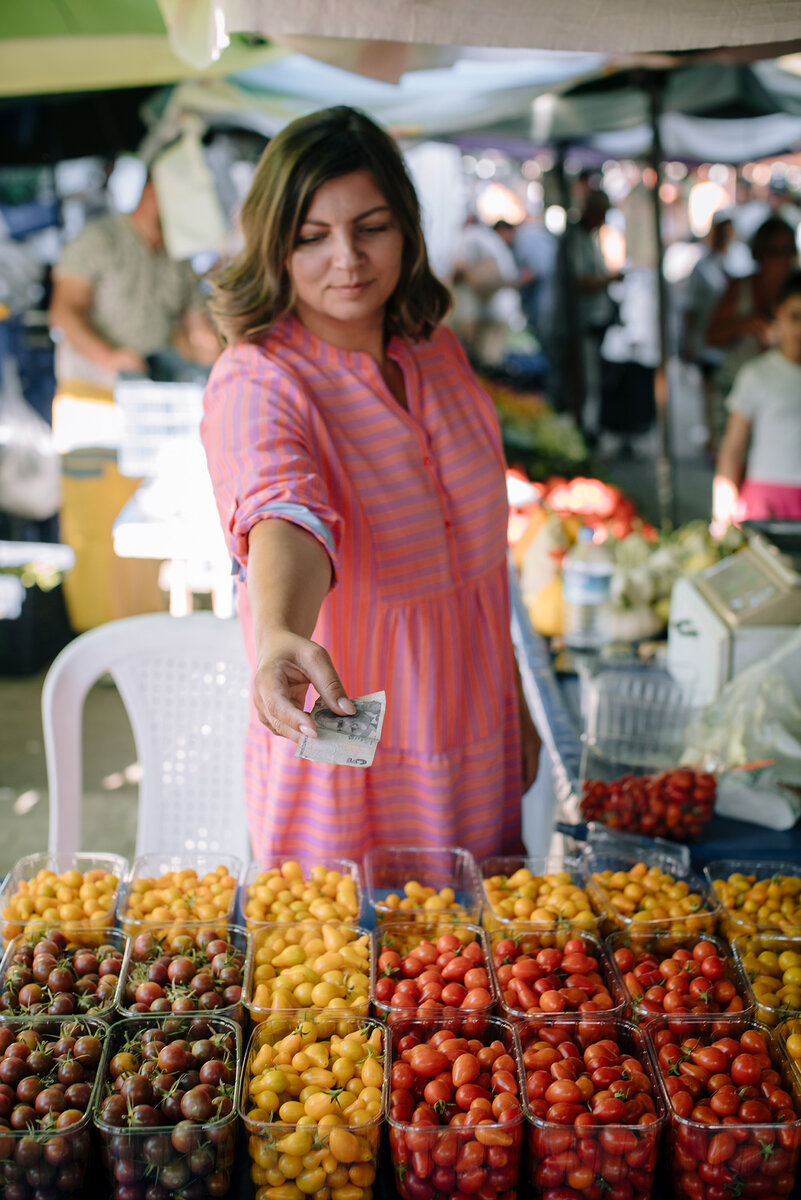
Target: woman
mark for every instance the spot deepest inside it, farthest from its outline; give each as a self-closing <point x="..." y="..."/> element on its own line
<point x="741" y="323"/>
<point x="358" y="472"/>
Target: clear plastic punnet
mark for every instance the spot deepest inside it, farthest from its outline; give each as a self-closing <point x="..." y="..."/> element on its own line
<point x="176" y="1139"/>
<point x="37" y="879"/>
<point x="789" y="1034"/>
<point x="699" y="1001"/>
<point x="464" y="946"/>
<point x="645" y="894"/>
<point x="416" y="883"/>
<point x="634" y="721"/>
<point x="538" y="890"/>
<point x="328" y="1143"/>
<point x="771" y="964"/>
<point x="166" y="888"/>
<point x="322" y="967"/>
<point x="756" y="895"/>
<point x="575" y="965"/>
<point x="189" y="969"/>
<point x="628" y="1139"/>
<point x="301" y="888"/>
<point x="46" y="1155"/>
<point x="482" y="1154"/>
<point x="760" y="1147"/>
<point x="91" y="986"/>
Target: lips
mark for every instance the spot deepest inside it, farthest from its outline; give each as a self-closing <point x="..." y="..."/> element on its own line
<point x="352" y="289"/>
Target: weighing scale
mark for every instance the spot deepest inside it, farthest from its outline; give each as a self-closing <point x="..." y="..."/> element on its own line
<point x="738" y="611"/>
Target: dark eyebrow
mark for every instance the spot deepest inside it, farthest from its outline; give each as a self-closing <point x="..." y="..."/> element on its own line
<point x="360" y="217"/>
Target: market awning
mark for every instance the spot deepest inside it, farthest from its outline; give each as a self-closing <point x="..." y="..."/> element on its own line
<point x="55" y="46"/>
<point x="386" y="39"/>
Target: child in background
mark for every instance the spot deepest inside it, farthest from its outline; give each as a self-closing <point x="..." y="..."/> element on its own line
<point x="758" y="472"/>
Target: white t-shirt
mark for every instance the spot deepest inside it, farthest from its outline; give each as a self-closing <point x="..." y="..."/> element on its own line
<point x="767" y="392"/>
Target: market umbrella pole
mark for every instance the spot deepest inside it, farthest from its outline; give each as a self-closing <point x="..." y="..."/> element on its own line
<point x="655" y="84"/>
<point x="571" y="383"/>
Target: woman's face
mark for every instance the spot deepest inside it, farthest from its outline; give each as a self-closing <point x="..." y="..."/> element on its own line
<point x="347" y="260"/>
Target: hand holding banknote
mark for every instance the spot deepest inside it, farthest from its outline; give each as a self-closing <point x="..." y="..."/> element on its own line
<point x="342" y="740"/>
<point x="282" y="680"/>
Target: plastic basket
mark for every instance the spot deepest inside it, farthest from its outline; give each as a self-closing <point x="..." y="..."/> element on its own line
<point x="633" y="721"/>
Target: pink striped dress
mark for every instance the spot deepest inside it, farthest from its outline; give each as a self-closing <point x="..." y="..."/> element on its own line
<point x="411" y="507"/>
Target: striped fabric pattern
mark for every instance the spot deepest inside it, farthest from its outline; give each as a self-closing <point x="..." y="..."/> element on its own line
<point x="411" y="508"/>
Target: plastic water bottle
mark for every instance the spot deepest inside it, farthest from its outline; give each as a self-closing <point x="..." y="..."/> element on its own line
<point x="586" y="583"/>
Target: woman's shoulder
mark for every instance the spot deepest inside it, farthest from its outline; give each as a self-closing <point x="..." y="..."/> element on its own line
<point x="257" y="372"/>
<point x="443" y="345"/>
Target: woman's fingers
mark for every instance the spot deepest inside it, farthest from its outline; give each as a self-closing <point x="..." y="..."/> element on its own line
<point x="281" y="686"/>
<point x="322" y="675"/>
<point x="279" y="714"/>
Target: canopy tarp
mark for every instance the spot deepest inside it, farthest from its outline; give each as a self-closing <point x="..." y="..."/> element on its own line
<point x="377" y="38"/>
<point x="56" y="46"/>
<point x="472" y="94"/>
<point x="728" y="112"/>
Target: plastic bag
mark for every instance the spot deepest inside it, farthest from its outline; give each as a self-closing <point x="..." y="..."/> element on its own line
<point x="751" y="735"/>
<point x="30" y="467"/>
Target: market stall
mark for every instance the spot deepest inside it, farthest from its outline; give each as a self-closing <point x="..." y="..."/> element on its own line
<point x="201" y="1027"/>
<point x="682" y="651"/>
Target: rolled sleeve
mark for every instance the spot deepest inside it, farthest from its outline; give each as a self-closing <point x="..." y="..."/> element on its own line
<point x="257" y="432"/>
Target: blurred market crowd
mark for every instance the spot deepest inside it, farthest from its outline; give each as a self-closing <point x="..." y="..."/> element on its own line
<point x="553" y="262"/>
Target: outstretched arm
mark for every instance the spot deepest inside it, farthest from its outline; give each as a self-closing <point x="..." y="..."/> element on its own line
<point x="289" y="574"/>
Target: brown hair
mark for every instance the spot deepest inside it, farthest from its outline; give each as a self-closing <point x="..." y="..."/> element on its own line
<point x="253" y="289"/>
<point x="771" y="233"/>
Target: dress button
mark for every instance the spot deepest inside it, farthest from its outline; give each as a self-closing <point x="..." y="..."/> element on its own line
<point x="427" y="462"/>
<point x="448" y="524"/>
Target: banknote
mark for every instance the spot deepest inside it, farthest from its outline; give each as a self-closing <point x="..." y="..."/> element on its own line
<point x="346" y="741"/>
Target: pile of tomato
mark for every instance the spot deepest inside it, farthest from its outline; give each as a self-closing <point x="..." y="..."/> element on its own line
<point x="734" y="1128"/>
<point x="596" y="1117"/>
<point x="48" y="1070"/>
<point x="167" y="1116"/>
<point x="536" y="977"/>
<point x="456" y="1120"/>
<point x="430" y="977"/>
<point x="675" y="804"/>
<point x="185" y="972"/>
<point x="47" y="972"/>
<point x="697" y="982"/>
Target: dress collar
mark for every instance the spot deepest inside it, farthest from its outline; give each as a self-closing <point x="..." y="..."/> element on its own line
<point x="291" y="330"/>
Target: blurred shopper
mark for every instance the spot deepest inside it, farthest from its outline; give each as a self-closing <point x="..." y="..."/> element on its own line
<point x="117" y="298"/>
<point x="708" y="281"/>
<point x="486" y="292"/>
<point x="535" y="250"/>
<point x="630" y="353"/>
<point x="759" y="466"/>
<point x="740" y="324"/>
<point x="752" y="211"/>
<point x="583" y="311"/>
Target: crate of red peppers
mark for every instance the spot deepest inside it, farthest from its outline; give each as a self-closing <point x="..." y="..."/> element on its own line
<point x="455" y="1113"/>
<point x="595" y="1115"/>
<point x="551" y="971"/>
<point x="734" y="1112"/>
<point x="50" y="1071"/>
<point x="675" y="803"/>
<point x="694" y="982"/>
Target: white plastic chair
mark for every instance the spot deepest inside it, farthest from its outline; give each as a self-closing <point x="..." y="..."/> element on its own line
<point x="185" y="682"/>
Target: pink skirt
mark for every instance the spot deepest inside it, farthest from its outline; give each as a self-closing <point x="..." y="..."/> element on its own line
<point x="763" y="501"/>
